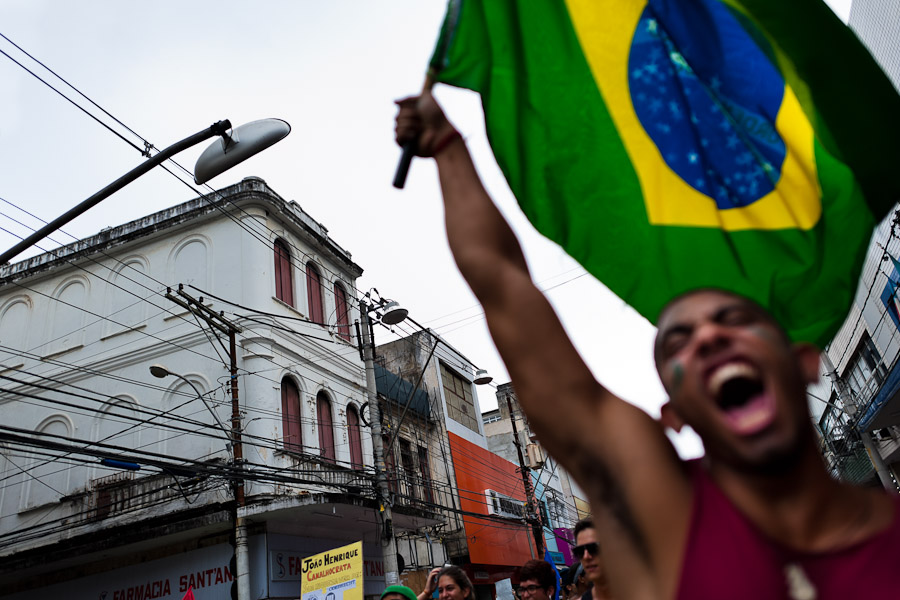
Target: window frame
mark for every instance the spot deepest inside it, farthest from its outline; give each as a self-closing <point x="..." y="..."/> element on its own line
<point x="354" y="436"/>
<point x="865" y="371"/>
<point x="407" y="462"/>
<point x="315" y="304"/>
<point x="325" y="427"/>
<point x="291" y="428"/>
<point x="341" y="311"/>
<point x="284" y="273"/>
<point x="425" y="473"/>
<point x="458" y="392"/>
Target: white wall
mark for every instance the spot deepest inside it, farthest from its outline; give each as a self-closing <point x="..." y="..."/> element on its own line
<point x="89" y="333"/>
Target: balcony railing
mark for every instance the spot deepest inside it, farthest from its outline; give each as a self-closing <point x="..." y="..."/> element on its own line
<point x="312" y="470"/>
<point x="414" y="491"/>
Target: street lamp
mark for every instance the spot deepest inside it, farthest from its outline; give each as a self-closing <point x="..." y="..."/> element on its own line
<point x="240" y="565"/>
<point x="388" y="312"/>
<point x="392" y="313"/>
<point x="482" y="377"/>
<point x="236" y="146"/>
<point x="160" y="372"/>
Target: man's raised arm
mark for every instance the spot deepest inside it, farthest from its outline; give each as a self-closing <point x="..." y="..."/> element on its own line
<point x="609" y="446"/>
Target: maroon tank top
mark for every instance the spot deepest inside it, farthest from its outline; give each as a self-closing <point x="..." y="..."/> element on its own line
<point x="727" y="557"/>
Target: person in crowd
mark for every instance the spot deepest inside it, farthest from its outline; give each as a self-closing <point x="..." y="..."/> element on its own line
<point x="580" y="583"/>
<point x="574" y="583"/>
<point x="759" y="516"/>
<point x="398" y="592"/>
<point x="537" y="581"/>
<point x="451" y="583"/>
<point x="587" y="550"/>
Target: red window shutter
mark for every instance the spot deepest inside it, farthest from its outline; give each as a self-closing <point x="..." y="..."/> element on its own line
<point x="326" y="428"/>
<point x="355" y="439"/>
<point x="284" y="283"/>
<point x="343" y="314"/>
<point x="290" y="416"/>
<point x="314" y="292"/>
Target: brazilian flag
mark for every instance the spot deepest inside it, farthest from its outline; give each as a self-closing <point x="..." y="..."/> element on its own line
<point x="670" y="145"/>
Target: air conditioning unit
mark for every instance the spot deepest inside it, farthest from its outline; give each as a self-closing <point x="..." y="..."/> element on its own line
<point x="501" y="505"/>
<point x="493" y="502"/>
<point x="534" y="456"/>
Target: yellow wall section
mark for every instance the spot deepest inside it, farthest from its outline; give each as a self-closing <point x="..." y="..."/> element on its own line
<point x="605" y="29"/>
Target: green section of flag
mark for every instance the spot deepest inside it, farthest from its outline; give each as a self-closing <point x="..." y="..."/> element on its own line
<point x="562" y="155"/>
<point x="841" y="87"/>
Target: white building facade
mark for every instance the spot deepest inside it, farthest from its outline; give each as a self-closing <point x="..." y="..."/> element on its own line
<point x="877" y="23"/>
<point x="857" y="405"/>
<point x="116" y="484"/>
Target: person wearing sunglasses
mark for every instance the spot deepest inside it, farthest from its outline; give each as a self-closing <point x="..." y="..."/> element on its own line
<point x="587" y="550"/>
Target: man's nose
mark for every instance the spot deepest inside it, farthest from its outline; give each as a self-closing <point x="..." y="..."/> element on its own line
<point x="710" y="337"/>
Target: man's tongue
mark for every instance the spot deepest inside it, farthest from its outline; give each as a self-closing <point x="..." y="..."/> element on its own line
<point x="741" y="395"/>
<point x="752" y="416"/>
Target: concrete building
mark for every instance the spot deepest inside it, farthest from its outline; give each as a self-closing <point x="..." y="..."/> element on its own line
<point x="877" y="23"/>
<point x="119" y="485"/>
<point x="857" y="408"/>
<point x="484" y="529"/>
<point x="556" y="494"/>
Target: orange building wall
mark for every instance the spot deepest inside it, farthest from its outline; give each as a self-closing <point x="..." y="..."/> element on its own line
<point x="492" y="541"/>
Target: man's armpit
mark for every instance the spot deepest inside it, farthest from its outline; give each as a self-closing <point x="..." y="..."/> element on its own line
<point x="602" y="489"/>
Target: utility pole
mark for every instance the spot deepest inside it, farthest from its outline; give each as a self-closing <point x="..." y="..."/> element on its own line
<point x="840" y="385"/>
<point x="536" y="529"/>
<point x="388" y="542"/>
<point x="240" y="589"/>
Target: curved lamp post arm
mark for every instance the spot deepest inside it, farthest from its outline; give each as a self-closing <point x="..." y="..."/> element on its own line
<point x="237" y="146"/>
<point x="205" y="403"/>
<point x="216" y="129"/>
<point x="160" y="372"/>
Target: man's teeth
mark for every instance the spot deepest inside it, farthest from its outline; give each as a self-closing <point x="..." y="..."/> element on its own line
<point x="727" y="372"/>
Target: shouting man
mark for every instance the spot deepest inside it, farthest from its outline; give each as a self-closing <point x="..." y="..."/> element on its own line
<point x="759" y="517"/>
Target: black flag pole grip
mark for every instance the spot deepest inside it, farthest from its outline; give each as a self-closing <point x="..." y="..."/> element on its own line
<point x="409" y="148"/>
<point x="409" y="151"/>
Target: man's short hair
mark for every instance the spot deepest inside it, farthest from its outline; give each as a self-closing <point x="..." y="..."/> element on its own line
<point x="539" y="570"/>
<point x="585" y="523"/>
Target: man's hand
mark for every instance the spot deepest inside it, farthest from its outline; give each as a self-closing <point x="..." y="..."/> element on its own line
<point x="421" y="119"/>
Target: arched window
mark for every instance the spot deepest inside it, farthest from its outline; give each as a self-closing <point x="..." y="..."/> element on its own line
<point x="343" y="313"/>
<point x="284" y="281"/>
<point x="290" y="415"/>
<point x="355" y="438"/>
<point x="314" y="293"/>
<point x="326" y="428"/>
<point x="49" y="481"/>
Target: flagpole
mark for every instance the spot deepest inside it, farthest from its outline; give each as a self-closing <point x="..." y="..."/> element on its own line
<point x="410" y="147"/>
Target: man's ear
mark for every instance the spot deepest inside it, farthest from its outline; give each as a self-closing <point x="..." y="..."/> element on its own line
<point x="670" y="418"/>
<point x="808" y="357"/>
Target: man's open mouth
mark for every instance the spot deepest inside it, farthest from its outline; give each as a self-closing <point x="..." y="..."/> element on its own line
<point x="741" y="394"/>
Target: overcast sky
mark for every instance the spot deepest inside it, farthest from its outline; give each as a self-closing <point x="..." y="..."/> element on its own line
<point x="332" y="70"/>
